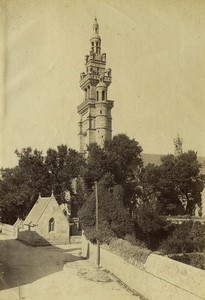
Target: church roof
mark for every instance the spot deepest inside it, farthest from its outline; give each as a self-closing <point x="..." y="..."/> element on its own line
<point x="37" y="210"/>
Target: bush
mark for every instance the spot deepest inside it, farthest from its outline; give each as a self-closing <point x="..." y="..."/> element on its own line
<point x="114" y="220"/>
<point x="130" y="253"/>
<point x="187" y="237"/>
<point x="149" y="226"/>
<point x="130" y="238"/>
<point x="196" y="260"/>
<point x="104" y="235"/>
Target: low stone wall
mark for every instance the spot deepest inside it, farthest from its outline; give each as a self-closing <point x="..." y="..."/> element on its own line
<point x="159" y="278"/>
<point x="33" y="238"/>
<point x="7" y="229"/>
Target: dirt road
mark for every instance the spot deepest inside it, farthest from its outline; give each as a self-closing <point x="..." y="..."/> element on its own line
<point x="54" y="273"/>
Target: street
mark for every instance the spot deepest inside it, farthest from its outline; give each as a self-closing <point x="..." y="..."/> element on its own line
<point x="54" y="272"/>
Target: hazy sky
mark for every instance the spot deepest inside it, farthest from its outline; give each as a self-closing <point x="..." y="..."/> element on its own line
<point x="156" y="50"/>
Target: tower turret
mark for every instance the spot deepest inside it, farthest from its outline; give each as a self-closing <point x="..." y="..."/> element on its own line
<point x="95" y="39"/>
<point x="95" y="111"/>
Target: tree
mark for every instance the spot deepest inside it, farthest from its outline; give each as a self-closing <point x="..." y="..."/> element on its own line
<point x="79" y="197"/>
<point x="187" y="237"/>
<point x="114" y="219"/>
<point x="150" y="226"/>
<point x="63" y="165"/>
<point x="20" y="186"/>
<point x="34" y="174"/>
<point x="176" y="183"/>
<point x="121" y="158"/>
<point x="124" y="162"/>
<point x="95" y="165"/>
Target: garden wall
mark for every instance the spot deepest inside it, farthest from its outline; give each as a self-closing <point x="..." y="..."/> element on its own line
<point x="159" y="278"/>
<point x="33" y="238"/>
<point x="7" y="230"/>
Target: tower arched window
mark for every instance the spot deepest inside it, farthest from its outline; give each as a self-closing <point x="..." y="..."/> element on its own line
<point x="97" y="95"/>
<point x="51" y="225"/>
<point x="103" y="95"/>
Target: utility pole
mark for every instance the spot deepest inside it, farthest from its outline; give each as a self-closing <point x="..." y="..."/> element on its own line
<point x="97" y="223"/>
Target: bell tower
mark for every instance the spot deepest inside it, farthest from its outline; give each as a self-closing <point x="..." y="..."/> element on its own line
<point x="95" y="123"/>
<point x="178" y="145"/>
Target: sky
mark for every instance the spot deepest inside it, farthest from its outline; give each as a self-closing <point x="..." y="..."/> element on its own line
<point x="155" y="49"/>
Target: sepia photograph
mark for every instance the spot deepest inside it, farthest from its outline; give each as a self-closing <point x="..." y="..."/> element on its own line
<point x="102" y="149"/>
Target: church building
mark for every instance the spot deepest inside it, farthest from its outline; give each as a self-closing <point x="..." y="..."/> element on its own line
<point x="95" y="123"/>
<point x="46" y="223"/>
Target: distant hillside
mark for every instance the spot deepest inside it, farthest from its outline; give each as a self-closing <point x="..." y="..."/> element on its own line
<point x="156" y="159"/>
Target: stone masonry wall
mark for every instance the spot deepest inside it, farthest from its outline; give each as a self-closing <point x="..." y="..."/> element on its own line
<point x="7" y="229"/>
<point x="160" y="277"/>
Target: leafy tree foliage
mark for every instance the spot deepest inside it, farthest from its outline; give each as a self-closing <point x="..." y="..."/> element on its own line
<point x="62" y="165"/>
<point x="185" y="238"/>
<point x="123" y="158"/>
<point x="112" y="213"/>
<point x="21" y="185"/>
<point x="120" y="157"/>
<point x="79" y="197"/>
<point x="176" y="183"/>
<point x="150" y="226"/>
<point x="96" y="165"/>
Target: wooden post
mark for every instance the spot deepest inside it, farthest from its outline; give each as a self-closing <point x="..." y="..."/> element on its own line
<point x="97" y="223"/>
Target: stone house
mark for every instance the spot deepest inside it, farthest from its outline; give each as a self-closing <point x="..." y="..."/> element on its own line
<point x="45" y="224"/>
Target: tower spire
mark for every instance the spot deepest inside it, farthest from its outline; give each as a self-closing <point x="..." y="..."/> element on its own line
<point x="95" y="27"/>
<point x="95" y="123"/>
<point x="95" y="40"/>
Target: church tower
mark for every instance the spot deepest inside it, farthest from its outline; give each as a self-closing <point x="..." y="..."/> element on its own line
<point x="95" y="123"/>
<point x="178" y="145"/>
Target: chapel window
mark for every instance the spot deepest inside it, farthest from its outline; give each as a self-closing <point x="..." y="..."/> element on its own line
<point x="51" y="225"/>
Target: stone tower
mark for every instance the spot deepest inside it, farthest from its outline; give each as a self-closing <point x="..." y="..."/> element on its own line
<point x="178" y="145"/>
<point x="95" y="123"/>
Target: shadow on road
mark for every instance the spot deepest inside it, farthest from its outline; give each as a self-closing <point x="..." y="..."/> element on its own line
<point x="21" y="264"/>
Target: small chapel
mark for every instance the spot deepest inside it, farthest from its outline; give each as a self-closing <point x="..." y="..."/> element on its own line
<point x="95" y="123"/>
<point x="46" y="223"/>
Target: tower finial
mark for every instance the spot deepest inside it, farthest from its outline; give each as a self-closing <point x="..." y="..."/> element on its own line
<point x="95" y="27"/>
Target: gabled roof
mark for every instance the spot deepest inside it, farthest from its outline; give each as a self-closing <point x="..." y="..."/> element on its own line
<point x="37" y="210"/>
